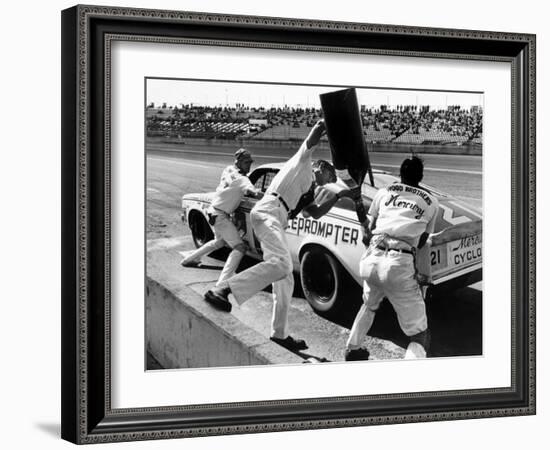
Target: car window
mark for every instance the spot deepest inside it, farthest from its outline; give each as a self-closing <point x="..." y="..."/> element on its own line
<point x="268" y="179"/>
<point x="260" y="182"/>
<point x="262" y="179"/>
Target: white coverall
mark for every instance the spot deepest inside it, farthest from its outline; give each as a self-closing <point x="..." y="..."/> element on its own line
<point x="402" y="214"/>
<point x="229" y="193"/>
<point x="269" y="218"/>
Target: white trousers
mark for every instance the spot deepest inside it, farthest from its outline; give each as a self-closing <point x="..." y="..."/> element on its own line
<point x="388" y="274"/>
<point x="269" y="220"/>
<point x="225" y="233"/>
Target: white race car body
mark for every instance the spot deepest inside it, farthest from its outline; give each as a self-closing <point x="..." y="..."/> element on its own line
<point x="454" y="256"/>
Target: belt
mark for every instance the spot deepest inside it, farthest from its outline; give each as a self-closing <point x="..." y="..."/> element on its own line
<point x="400" y="250"/>
<point x="218" y="212"/>
<point x="281" y="199"/>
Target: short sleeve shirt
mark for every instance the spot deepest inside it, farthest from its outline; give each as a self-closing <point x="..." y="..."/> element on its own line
<point x="404" y="212"/>
<point x="229" y="193"/>
<point x="295" y="177"/>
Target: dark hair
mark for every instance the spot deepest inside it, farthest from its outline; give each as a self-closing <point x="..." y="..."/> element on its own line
<point x="412" y="170"/>
<point x="325" y="166"/>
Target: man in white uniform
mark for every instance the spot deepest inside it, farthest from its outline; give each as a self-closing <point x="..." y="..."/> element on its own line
<point x="234" y="184"/>
<point x="403" y="215"/>
<point x="291" y="189"/>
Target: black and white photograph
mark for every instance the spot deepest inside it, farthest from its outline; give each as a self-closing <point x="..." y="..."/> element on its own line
<point x="294" y="223"/>
<point x="275" y="225"/>
<point x="282" y="223"/>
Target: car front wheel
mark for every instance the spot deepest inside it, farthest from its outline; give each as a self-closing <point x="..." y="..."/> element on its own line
<point x="323" y="281"/>
<point x="200" y="230"/>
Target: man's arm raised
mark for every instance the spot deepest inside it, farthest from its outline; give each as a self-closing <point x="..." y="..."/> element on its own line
<point x="315" y="134"/>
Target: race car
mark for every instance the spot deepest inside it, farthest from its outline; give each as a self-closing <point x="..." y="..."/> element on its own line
<point x="326" y="252"/>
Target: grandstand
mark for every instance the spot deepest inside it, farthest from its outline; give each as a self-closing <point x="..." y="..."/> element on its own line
<point x="284" y="132"/>
<point x="401" y="124"/>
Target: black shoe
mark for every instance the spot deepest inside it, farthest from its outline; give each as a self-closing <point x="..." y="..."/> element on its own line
<point x="218" y="301"/>
<point x="290" y="343"/>
<point x="183" y="263"/>
<point x="359" y="354"/>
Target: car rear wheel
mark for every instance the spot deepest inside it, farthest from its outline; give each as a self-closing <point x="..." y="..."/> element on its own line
<point x="323" y="281"/>
<point x="200" y="230"/>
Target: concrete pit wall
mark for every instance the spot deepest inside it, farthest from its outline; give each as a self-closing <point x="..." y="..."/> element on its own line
<point x="183" y="331"/>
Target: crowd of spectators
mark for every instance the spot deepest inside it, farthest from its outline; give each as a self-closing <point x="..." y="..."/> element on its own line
<point x="453" y="121"/>
<point x="386" y="123"/>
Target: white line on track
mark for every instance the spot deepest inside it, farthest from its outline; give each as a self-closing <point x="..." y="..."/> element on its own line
<point x="200" y="152"/>
<point x="466" y="199"/>
<point x="393" y="166"/>
<point x="436" y="169"/>
<point x="185" y="163"/>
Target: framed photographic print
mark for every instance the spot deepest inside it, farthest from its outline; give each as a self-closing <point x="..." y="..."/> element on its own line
<point x="280" y="224"/>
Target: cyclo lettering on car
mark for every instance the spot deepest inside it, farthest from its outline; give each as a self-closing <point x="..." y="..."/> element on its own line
<point x="456" y="254"/>
<point x="466" y="251"/>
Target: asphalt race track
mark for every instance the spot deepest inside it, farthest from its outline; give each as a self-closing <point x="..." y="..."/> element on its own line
<point x="455" y="318"/>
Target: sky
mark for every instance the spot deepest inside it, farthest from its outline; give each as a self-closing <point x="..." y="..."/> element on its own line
<point x="217" y="93"/>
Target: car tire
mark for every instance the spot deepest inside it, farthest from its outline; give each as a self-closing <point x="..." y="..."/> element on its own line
<point x="323" y="281"/>
<point x="200" y="229"/>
